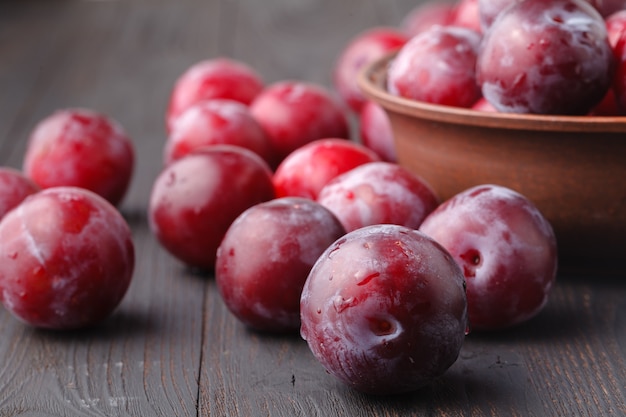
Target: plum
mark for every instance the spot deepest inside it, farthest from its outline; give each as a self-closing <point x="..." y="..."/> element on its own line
<point x="384" y="309"/>
<point x="67" y="259"/>
<point x="213" y="78"/>
<point x="195" y="199"/>
<point x="546" y="58"/>
<point x="213" y="122"/>
<point x="294" y="113"/>
<point x="306" y="170"/>
<point x="378" y="192"/>
<point x="81" y="148"/>
<point x="506" y="248"/>
<point x="376" y="132"/>
<point x="363" y="49"/>
<point x="437" y="66"/>
<point x="266" y="256"/>
<point x="14" y="188"/>
<point x="427" y="14"/>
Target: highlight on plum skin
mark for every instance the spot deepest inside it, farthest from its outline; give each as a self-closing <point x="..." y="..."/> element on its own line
<point x="195" y="199"/>
<point x="67" y="259"/>
<point x="14" y="188"/>
<point x="266" y="256"/>
<point x="384" y="309"/>
<point x="81" y="148"/>
<point x="506" y="248"/>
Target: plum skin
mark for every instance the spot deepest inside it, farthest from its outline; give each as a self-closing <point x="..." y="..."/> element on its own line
<point x="384" y="309"/>
<point x="67" y="259"/>
<point x="506" y="248"/>
<point x="266" y="256"/>
<point x="14" y="188"/>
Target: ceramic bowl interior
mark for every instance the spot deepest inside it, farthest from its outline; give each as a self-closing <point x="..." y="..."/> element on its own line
<point x="572" y="167"/>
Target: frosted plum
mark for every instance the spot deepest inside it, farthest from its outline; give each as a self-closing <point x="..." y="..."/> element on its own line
<point x="506" y="248"/>
<point x="376" y="132"/>
<point x="213" y="78"/>
<point x="214" y="122"/>
<point x="488" y="11"/>
<point x="196" y="198"/>
<point x="266" y="256"/>
<point x="67" y="259"/>
<point x="306" y="170"/>
<point x="466" y="14"/>
<point x="437" y="66"/>
<point x="384" y="309"/>
<point x="81" y="148"/>
<point x="294" y="113"/>
<point x="363" y="49"/>
<point x="378" y="192"/>
<point x="14" y="188"/>
<point x="546" y="58"/>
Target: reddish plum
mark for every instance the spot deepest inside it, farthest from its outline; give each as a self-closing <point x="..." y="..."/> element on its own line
<point x="466" y="15"/>
<point x="363" y="49"/>
<point x="507" y="251"/>
<point x="213" y="122"/>
<point x="378" y="192"/>
<point x="309" y="168"/>
<point x="384" y="309"/>
<point x="266" y="256"/>
<point x="483" y="105"/>
<point x="294" y="113"/>
<point x="608" y="7"/>
<point x="546" y="58"/>
<point x="67" y="259"/>
<point x="196" y="198"/>
<point x="375" y="130"/>
<point x="437" y="66"/>
<point x="14" y="188"/>
<point x="427" y="14"/>
<point x="81" y="148"/>
<point x="213" y="78"/>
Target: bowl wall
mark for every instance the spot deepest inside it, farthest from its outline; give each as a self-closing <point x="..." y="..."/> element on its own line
<point x="572" y="168"/>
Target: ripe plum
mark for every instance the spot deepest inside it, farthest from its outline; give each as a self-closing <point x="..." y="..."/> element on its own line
<point x="213" y="78"/>
<point x="67" y="259"/>
<point x="384" y="309"/>
<point x="507" y="250"/>
<point x="294" y="113"/>
<point x="546" y="58"/>
<point x="81" y="148"/>
<point x="14" y="188"/>
<point x="306" y="170"/>
<point x="266" y="256"/>
<point x="364" y="48"/>
<point x="378" y="192"/>
<point x="196" y="198"/>
<point x="213" y="122"/>
<point x="375" y="131"/>
<point x="437" y="66"/>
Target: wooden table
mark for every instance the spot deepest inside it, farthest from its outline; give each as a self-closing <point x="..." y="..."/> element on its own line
<point x="171" y="348"/>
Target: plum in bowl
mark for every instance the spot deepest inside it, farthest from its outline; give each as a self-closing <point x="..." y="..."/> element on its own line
<point x="573" y="168"/>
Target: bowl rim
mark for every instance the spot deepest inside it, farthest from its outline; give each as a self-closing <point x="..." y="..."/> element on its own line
<point x="372" y="78"/>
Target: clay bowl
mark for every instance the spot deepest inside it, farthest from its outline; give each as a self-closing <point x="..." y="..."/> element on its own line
<point x="572" y="167"/>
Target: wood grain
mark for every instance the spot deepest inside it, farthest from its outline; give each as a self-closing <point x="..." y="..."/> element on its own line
<point x="172" y="348"/>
